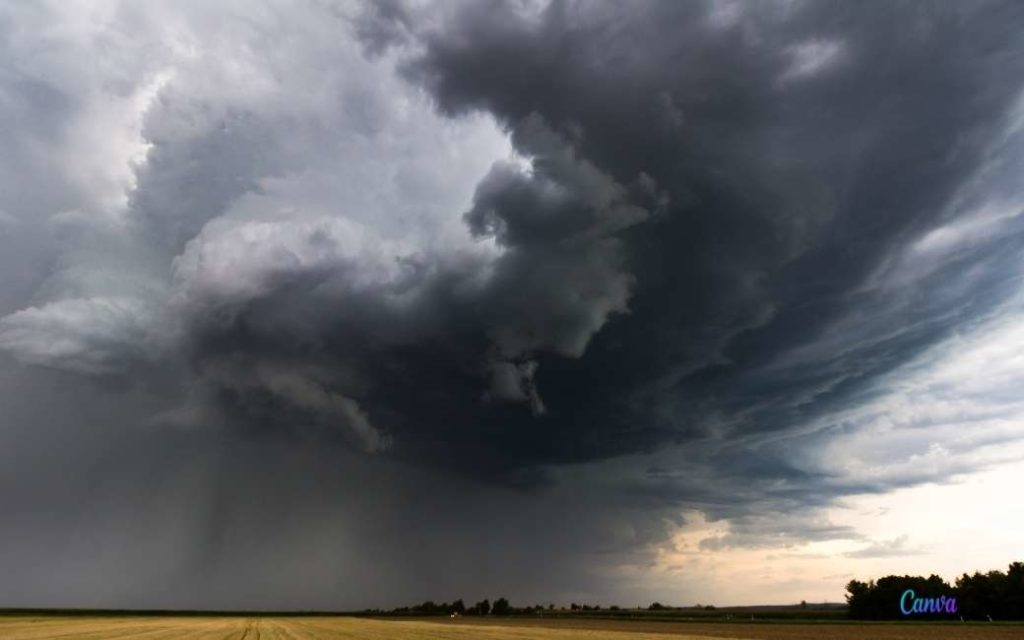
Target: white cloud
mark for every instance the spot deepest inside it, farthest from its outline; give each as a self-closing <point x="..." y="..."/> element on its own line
<point x="94" y="335"/>
<point x="257" y="132"/>
<point x="232" y="262"/>
<point x="953" y="410"/>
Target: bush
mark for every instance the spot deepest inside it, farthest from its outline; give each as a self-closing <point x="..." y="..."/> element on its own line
<point x="500" y="607"/>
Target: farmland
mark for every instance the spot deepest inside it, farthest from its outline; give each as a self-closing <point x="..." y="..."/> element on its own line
<point x="40" y="627"/>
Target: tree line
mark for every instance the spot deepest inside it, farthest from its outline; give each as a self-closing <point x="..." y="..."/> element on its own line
<point x="499" y="607"/>
<point x="995" y="595"/>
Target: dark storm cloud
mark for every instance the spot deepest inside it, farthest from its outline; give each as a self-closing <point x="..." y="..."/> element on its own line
<point x="796" y="147"/>
<point x="698" y="212"/>
<point x="726" y="233"/>
<point x="691" y="218"/>
<point x="133" y="517"/>
<point x="382" y="25"/>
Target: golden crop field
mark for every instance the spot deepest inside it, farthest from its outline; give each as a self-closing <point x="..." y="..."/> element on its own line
<point x="329" y="628"/>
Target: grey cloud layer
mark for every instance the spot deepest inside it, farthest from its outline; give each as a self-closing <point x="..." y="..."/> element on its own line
<point x="788" y="151"/>
<point x="713" y="234"/>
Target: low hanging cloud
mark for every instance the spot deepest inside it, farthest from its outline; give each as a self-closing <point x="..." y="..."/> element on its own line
<point x="897" y="547"/>
<point x="91" y="335"/>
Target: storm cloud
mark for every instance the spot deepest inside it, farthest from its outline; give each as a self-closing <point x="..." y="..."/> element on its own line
<point x="315" y="277"/>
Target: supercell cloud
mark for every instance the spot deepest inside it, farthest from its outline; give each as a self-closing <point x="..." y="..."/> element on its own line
<point x="357" y="304"/>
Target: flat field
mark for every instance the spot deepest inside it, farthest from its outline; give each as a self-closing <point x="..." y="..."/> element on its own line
<point x="327" y="628"/>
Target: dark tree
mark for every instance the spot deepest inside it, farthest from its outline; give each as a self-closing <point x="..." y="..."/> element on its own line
<point x="427" y="607"/>
<point x="482" y="608"/>
<point x="500" y="607"/>
<point x="994" y="595"/>
<point x="857" y="598"/>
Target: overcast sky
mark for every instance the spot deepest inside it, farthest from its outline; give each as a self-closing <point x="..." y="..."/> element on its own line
<point x="332" y="305"/>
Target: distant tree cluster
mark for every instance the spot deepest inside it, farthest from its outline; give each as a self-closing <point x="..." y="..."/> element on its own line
<point x="499" y="607"/>
<point x="984" y="596"/>
<point x="880" y="600"/>
<point x="428" y="608"/>
<point x="502" y="607"/>
<point x="996" y="594"/>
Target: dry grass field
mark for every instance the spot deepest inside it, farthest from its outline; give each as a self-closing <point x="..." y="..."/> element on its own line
<point x="327" y="628"/>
